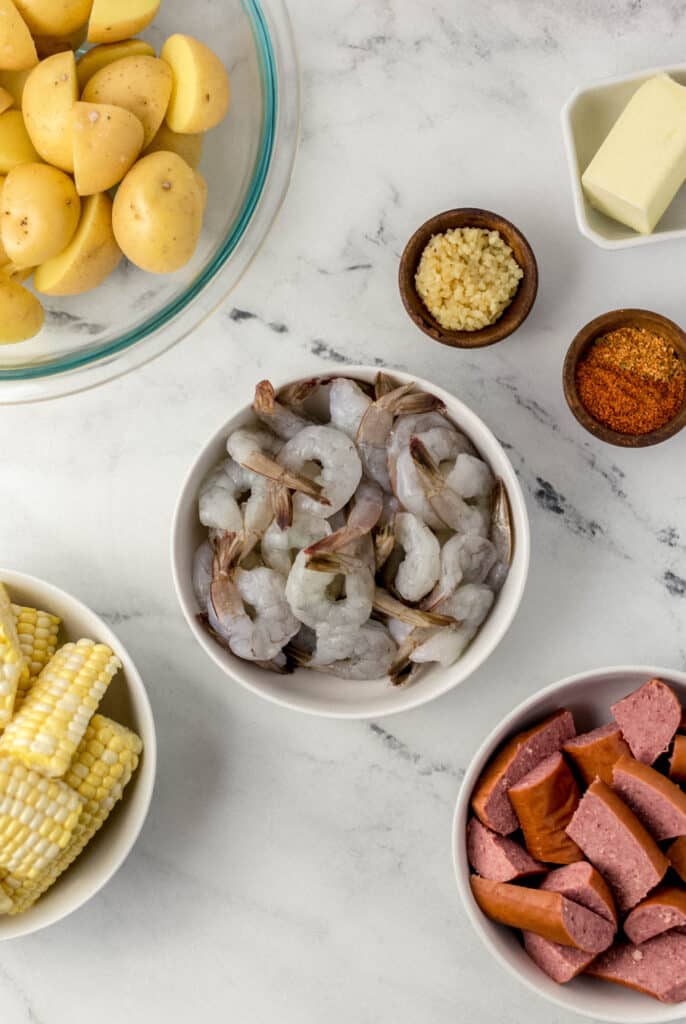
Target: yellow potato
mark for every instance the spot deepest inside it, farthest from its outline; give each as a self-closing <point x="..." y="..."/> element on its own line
<point x="21" y="314"/>
<point x="113" y="20"/>
<point x="17" y="49"/>
<point x="14" y="82"/>
<point x="107" y="141"/>
<point x="202" y="185"/>
<point x="15" y="273"/>
<point x="100" y="56"/>
<point x="201" y="94"/>
<point x="4" y="258"/>
<point x="49" y="97"/>
<point x="15" y="145"/>
<point x="188" y="147"/>
<point x="39" y="213"/>
<point x="90" y="257"/>
<point x="54" y="17"/>
<point x="47" y="46"/>
<point x="6" y="100"/>
<point x="157" y="216"/>
<point x="141" y="85"/>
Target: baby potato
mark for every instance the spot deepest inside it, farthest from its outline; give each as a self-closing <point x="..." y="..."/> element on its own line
<point x="107" y="141"/>
<point x="15" y="145"/>
<point x="188" y="147"/>
<point x="13" y="82"/>
<point x="54" y="17"/>
<point x="100" y="56"/>
<point x="49" y="96"/>
<point x="21" y="314"/>
<point x="48" y="46"/>
<point x="113" y="20"/>
<point x="6" y="100"/>
<point x="157" y="216"/>
<point x="202" y="185"/>
<point x="141" y="85"/>
<point x="90" y="257"/>
<point x="39" y="213"/>
<point x="17" y="49"/>
<point x="201" y="93"/>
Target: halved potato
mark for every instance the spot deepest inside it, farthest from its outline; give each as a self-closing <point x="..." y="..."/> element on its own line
<point x="188" y="147"/>
<point x="17" y="49"/>
<point x="47" y="46"/>
<point x="141" y="85"/>
<point x="54" y="17"/>
<point x="157" y="214"/>
<point x="201" y="94"/>
<point x="39" y="213"/>
<point x="107" y="141"/>
<point x="100" y="56"/>
<point x="6" y="100"/>
<point x="49" y="97"/>
<point x="90" y="257"/>
<point x="14" y="82"/>
<point x="15" y="145"/>
<point x="113" y="20"/>
<point x="21" y="314"/>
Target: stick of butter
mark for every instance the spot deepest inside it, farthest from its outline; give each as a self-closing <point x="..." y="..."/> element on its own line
<point x="641" y="165"/>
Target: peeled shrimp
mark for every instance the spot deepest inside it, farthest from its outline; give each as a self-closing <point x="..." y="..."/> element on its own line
<point x="347" y="405"/>
<point x="470" y="477"/>
<point x="218" y="501"/>
<point x="469" y="605"/>
<point x="341" y="469"/>
<point x="465" y="558"/>
<point x="279" y="547"/>
<point x="419" y="425"/>
<point x="371" y="656"/>
<point x="202" y="572"/>
<point x="279" y="418"/>
<point x="375" y="428"/>
<point x="421" y="563"/>
<point x="447" y="504"/>
<point x="364" y="515"/>
<point x="246" y="440"/>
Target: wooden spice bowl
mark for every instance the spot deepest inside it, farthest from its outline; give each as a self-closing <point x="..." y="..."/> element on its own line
<point x="515" y="314"/>
<point x="641" y="318"/>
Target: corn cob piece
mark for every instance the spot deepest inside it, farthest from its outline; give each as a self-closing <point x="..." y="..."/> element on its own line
<point x="37" y="819"/>
<point x="6" y="901"/>
<point x="37" y="632"/>
<point x="12" y="664"/>
<point x="102" y="767"/>
<point x="52" y="721"/>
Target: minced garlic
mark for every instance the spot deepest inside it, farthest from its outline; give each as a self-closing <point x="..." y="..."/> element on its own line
<point x="467" y="277"/>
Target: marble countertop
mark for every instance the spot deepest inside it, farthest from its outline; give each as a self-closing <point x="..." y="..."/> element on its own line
<point x="294" y="870"/>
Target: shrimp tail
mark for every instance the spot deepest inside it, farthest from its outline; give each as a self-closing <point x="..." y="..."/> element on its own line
<point x="383" y="385"/>
<point x="417" y="404"/>
<point x="282" y="504"/>
<point x="403" y="670"/>
<point x="228" y="551"/>
<point x="501" y="524"/>
<point x="426" y="467"/>
<point x="384" y="542"/>
<point x="265" y="398"/>
<point x="386" y="604"/>
<point x="334" y="562"/>
<point x="263" y="465"/>
<point x="296" y="394"/>
<point x="297" y="657"/>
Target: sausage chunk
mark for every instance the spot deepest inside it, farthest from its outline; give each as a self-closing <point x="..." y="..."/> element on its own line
<point x="582" y="884"/>
<point x="545" y="913"/>
<point x="523" y="752"/>
<point x="648" y="718"/>
<point x="664" y="910"/>
<point x="676" y="855"/>
<point x="544" y="802"/>
<point x="616" y="843"/>
<point x="493" y="856"/>
<point x="655" y="801"/>
<point x="658" y="967"/>
<point x="677" y="762"/>
<point x="594" y="753"/>
<point x="561" y="963"/>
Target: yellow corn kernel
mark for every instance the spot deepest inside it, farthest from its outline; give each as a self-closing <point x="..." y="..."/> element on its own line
<point x="52" y="721"/>
<point x="37" y="632"/>
<point x="12" y="664"/>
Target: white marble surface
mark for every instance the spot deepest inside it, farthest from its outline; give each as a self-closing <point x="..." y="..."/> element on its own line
<point x="294" y="870"/>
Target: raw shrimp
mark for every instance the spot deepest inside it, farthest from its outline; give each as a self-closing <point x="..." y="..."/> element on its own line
<point x="375" y="428"/>
<point x="469" y="606"/>
<point x="410" y="492"/>
<point x="219" y="501"/>
<point x="308" y="591"/>
<point x="501" y="524"/>
<point x="447" y="504"/>
<point x="470" y="477"/>
<point x="262" y="636"/>
<point x="465" y="558"/>
<point x="386" y="604"/>
<point x="246" y="440"/>
<point x="364" y="515"/>
<point x="341" y="469"/>
<point x="279" y="547"/>
<point x="279" y="418"/>
<point x="347" y="405"/>
<point x="421" y="563"/>
<point x="371" y="656"/>
<point x="406" y="427"/>
<point x="202" y="572"/>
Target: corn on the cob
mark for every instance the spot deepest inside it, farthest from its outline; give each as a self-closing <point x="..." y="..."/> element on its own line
<point x="37" y="819"/>
<point x="52" y="721"/>
<point x="12" y="664"/>
<point x="37" y="632"/>
<point x="6" y="901"/>
<point x="102" y="767"/>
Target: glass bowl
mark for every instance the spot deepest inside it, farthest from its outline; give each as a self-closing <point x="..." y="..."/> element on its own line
<point x="247" y="162"/>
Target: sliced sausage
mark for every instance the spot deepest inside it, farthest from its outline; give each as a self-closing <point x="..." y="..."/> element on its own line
<point x="582" y="884"/>
<point x="617" y="844"/>
<point x="545" y="913"/>
<point x="677" y="762"/>
<point x="676" y="855"/>
<point x="658" y="967"/>
<point x="523" y="752"/>
<point x="561" y="963"/>
<point x="594" y="753"/>
<point x="649" y="717"/>
<point x="544" y="802"/>
<point x="664" y="910"/>
<point x="494" y="856"/>
<point x="655" y="801"/>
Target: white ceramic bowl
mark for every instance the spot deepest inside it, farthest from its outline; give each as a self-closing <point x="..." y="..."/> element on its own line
<point x="127" y="702"/>
<point x="587" y="117"/>
<point x="588" y="696"/>
<point x="320" y="693"/>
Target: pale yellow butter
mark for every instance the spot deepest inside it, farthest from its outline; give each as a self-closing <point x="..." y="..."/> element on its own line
<point x="641" y="165"/>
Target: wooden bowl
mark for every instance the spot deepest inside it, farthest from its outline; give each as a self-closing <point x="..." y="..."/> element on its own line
<point x="515" y="314"/>
<point x="616" y="318"/>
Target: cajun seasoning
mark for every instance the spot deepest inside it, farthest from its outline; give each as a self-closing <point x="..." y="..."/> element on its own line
<point x="631" y="380"/>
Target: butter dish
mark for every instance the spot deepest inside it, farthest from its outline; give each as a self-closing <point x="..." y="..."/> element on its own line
<point x="587" y="117"/>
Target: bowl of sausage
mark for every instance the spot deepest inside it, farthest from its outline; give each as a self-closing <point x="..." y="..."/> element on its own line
<point x="569" y="844"/>
<point x="351" y="545"/>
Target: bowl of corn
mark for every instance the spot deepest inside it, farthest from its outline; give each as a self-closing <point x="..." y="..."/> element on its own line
<point x="77" y="754"/>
